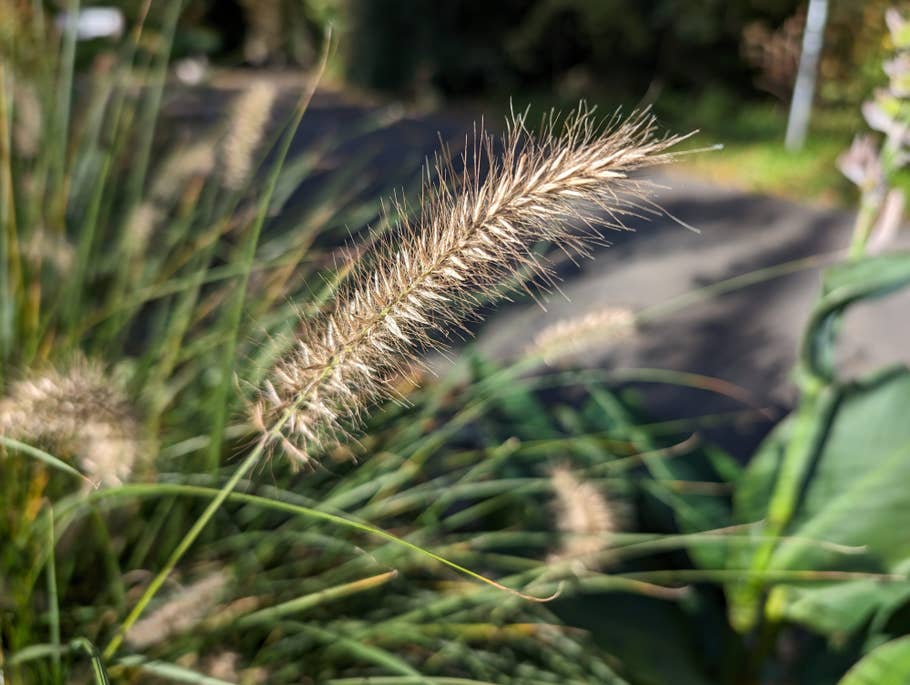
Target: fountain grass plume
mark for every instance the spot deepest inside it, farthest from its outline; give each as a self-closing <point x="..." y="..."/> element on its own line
<point x="180" y="613"/>
<point x="590" y="331"/>
<point x="585" y="517"/>
<point x="475" y="231"/>
<point x="83" y="412"/>
<point x="250" y="117"/>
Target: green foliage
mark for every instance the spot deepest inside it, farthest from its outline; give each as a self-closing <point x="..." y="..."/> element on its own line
<point x="412" y="555"/>
<point x="466" y="47"/>
<point x="888" y="664"/>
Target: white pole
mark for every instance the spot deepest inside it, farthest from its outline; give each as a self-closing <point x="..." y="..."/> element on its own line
<point x="804" y="90"/>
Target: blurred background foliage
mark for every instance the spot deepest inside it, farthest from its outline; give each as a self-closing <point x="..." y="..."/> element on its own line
<point x="472" y="48"/>
<point x="725" y="67"/>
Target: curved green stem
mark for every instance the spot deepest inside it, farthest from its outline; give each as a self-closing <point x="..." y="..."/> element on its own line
<point x="181" y="548"/>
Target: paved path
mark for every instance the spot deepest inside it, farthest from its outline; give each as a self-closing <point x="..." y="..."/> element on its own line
<point x="747" y="337"/>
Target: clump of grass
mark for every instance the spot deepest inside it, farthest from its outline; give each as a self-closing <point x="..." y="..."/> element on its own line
<point x="188" y="270"/>
<point x="471" y="236"/>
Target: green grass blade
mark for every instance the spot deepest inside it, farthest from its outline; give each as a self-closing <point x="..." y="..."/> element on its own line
<point x="300" y="604"/>
<point x="42" y="456"/>
<point x="98" y="672"/>
<point x="172" y="673"/>
<point x="248" y="255"/>
<point x="53" y="603"/>
<point x="64" y="95"/>
<point x="160" y="489"/>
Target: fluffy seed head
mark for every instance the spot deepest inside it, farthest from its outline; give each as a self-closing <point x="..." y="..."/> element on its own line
<point x="180" y="613"/>
<point x="45" y="247"/>
<point x="143" y="220"/>
<point x="226" y="666"/>
<point x="80" y="412"/>
<point x="585" y="517"/>
<point x="185" y="163"/>
<point x="27" y="127"/>
<point x="473" y="233"/>
<point x="170" y="182"/>
<point x="590" y="331"/>
<point x="250" y="116"/>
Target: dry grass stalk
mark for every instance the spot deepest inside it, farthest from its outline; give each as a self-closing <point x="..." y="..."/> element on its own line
<point x="590" y="331"/>
<point x="180" y="613"/>
<point x="81" y="412"/>
<point x="585" y="517"/>
<point x="250" y="116"/>
<point x="471" y="235"/>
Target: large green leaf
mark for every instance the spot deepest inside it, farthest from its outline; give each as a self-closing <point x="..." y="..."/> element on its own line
<point x="888" y="664"/>
<point x="855" y="495"/>
<point x="856" y="492"/>
<point x="838" y="609"/>
<point x="853" y="463"/>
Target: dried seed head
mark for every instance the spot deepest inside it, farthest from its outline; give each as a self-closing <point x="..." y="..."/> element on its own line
<point x="227" y="666"/>
<point x="585" y="517"/>
<point x="143" y="221"/>
<point x="196" y="160"/>
<point x="44" y="247"/>
<point x="81" y="412"/>
<point x="248" y="122"/>
<point x="471" y="236"/>
<point x="591" y="331"/>
<point x="170" y="181"/>
<point x="179" y="613"/>
<point x="223" y="666"/>
<point x="27" y="125"/>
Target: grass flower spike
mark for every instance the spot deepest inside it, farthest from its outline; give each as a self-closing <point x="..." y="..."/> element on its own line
<point x="179" y="613"/>
<point x="82" y="412"/>
<point x="590" y="331"/>
<point x="585" y="517"/>
<point x="473" y="234"/>
<point x="250" y="116"/>
<point x="45" y="247"/>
